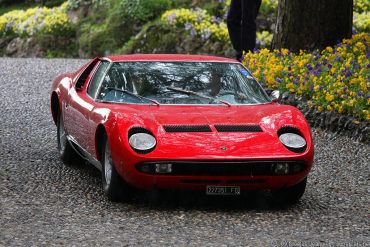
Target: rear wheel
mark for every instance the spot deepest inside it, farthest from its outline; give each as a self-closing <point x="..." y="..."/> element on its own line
<point x="66" y="151"/>
<point x="115" y="188"/>
<point x="290" y="195"/>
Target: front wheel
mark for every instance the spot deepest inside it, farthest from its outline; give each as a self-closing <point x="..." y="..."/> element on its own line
<point x="66" y="151"/>
<point x="290" y="195"/>
<point x="115" y="188"/>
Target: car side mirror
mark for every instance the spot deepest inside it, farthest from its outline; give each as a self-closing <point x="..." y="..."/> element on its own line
<point x="275" y="96"/>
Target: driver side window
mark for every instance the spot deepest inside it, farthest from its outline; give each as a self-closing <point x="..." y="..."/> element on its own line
<point x="97" y="78"/>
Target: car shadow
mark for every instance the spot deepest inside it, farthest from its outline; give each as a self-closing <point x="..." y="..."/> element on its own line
<point x="195" y="200"/>
<point x="168" y="200"/>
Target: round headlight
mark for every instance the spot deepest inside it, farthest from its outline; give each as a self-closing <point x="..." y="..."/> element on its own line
<point x="142" y="141"/>
<point x="292" y="140"/>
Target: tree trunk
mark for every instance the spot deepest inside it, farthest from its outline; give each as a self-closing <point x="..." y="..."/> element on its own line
<point x="312" y="24"/>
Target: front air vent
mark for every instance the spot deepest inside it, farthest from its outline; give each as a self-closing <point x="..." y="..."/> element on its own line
<point x="237" y="128"/>
<point x="187" y="128"/>
<point x="223" y="168"/>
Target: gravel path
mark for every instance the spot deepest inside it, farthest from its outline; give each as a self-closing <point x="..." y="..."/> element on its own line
<point x="43" y="202"/>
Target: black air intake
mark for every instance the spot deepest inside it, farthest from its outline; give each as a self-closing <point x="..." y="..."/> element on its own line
<point x="237" y="128"/>
<point x="223" y="168"/>
<point x="187" y="128"/>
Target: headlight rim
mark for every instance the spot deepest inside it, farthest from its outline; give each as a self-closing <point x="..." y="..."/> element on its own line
<point x="295" y="131"/>
<point x="141" y="130"/>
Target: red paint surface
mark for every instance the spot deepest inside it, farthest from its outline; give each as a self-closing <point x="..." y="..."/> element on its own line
<point x="82" y="116"/>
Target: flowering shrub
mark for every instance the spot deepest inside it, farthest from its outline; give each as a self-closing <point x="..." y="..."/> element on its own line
<point x="269" y="6"/>
<point x="360" y="6"/>
<point x="38" y="20"/>
<point x="75" y="4"/>
<point x="264" y="39"/>
<point x="198" y="22"/>
<point x="335" y="79"/>
<point x="361" y="21"/>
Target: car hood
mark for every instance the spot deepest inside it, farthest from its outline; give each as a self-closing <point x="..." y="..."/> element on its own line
<point x="177" y="131"/>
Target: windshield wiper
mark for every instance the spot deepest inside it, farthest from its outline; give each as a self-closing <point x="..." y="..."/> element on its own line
<point x="132" y="94"/>
<point x="197" y="94"/>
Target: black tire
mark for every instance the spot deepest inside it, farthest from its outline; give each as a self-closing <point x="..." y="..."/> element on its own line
<point x="66" y="151"/>
<point x="115" y="188"/>
<point x="290" y="195"/>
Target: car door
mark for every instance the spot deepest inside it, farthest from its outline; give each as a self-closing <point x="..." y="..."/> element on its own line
<point x="81" y="103"/>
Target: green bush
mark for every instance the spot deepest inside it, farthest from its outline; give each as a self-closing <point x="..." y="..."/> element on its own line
<point x="113" y="22"/>
<point x="360" y="6"/>
<point x="47" y="3"/>
<point x="361" y="22"/>
<point x="143" y="10"/>
<point x="10" y="2"/>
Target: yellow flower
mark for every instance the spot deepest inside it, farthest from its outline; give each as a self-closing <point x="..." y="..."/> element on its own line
<point x="329" y="97"/>
<point x="333" y="83"/>
<point x="329" y="49"/>
<point x="36" y="20"/>
<point x="284" y="51"/>
<point x="360" y="46"/>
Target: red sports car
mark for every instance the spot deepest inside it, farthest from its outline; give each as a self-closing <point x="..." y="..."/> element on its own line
<point x="180" y="122"/>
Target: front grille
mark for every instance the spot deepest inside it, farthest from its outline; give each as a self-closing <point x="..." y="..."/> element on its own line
<point x="237" y="128"/>
<point x="187" y="128"/>
<point x="217" y="168"/>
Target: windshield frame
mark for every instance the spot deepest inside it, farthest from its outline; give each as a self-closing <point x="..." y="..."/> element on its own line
<point x="190" y="104"/>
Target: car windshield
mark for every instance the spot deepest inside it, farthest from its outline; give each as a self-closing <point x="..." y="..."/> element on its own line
<point x="180" y="83"/>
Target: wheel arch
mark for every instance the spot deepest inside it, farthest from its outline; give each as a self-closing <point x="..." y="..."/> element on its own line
<point x="55" y="108"/>
<point x="100" y="136"/>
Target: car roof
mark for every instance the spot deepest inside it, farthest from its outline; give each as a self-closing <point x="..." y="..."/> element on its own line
<point x="168" y="57"/>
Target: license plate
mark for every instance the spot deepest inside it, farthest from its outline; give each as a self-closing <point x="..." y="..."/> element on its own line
<point x="223" y="190"/>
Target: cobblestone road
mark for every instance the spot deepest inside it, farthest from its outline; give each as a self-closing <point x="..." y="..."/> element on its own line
<point x="43" y="202"/>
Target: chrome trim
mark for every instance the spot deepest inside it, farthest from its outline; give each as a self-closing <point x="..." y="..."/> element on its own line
<point x="101" y="81"/>
<point x="275" y="96"/>
<point x="106" y="59"/>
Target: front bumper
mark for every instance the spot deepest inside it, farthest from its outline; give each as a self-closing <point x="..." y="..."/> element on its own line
<point x="196" y="175"/>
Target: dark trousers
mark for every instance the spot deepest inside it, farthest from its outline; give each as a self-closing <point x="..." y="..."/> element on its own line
<point x="241" y="22"/>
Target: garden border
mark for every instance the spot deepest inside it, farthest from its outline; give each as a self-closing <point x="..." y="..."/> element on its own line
<point x="330" y="120"/>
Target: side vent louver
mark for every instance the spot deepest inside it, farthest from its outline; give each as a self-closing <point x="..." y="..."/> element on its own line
<point x="187" y="128"/>
<point x="237" y="128"/>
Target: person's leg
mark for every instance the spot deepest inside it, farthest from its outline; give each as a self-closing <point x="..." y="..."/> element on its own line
<point x="234" y="20"/>
<point x="250" y="9"/>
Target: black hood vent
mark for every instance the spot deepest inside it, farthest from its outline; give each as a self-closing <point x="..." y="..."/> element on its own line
<point x="238" y="128"/>
<point x="187" y="128"/>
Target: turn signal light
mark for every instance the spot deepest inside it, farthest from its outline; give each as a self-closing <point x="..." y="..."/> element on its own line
<point x="163" y="168"/>
<point x="281" y="168"/>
